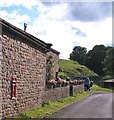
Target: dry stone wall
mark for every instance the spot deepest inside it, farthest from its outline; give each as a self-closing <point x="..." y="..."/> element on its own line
<point x="60" y="92"/>
<point x="78" y="88"/>
<point x="55" y="94"/>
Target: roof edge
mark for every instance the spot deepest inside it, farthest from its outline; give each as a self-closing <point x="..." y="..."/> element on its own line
<point x="46" y="46"/>
<point x="25" y="34"/>
<point x="55" y="51"/>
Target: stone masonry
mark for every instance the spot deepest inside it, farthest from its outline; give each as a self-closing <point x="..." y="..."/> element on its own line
<point x="60" y="92"/>
<point x="28" y="64"/>
<point x="0" y="73"/>
<point x="25" y="57"/>
<point x="55" y="61"/>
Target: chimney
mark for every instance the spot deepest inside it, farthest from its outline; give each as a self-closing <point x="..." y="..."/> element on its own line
<point x="25" y="26"/>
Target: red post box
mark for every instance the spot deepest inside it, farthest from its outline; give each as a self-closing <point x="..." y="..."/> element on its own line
<point x="13" y="87"/>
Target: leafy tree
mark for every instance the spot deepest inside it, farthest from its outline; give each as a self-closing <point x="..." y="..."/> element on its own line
<point x="95" y="57"/>
<point x="78" y="54"/>
<point x="108" y="62"/>
<point x="100" y="59"/>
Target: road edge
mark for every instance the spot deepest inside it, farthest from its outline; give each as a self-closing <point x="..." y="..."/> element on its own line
<point x="91" y="93"/>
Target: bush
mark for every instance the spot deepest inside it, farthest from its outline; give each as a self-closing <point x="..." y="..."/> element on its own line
<point x="63" y="75"/>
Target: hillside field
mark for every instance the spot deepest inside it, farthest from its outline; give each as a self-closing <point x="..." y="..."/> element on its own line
<point x="70" y="68"/>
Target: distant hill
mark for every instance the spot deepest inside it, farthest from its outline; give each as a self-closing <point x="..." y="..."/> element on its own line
<point x="70" y="68"/>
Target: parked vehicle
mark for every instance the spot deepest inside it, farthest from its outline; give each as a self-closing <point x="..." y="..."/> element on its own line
<point x="87" y="82"/>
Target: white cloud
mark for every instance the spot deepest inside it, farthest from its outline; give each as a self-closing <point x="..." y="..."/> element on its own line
<point x="55" y="32"/>
<point x="57" y="12"/>
<point x="51" y="27"/>
<point x="26" y="3"/>
<point x="97" y="33"/>
<point x="14" y="17"/>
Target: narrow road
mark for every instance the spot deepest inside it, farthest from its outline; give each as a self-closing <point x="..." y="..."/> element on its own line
<point x="97" y="105"/>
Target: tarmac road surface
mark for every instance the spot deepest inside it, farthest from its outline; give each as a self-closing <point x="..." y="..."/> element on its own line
<point x="98" y="105"/>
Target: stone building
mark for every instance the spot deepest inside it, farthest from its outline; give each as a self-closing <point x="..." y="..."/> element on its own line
<point x="23" y="58"/>
<point x="26" y="65"/>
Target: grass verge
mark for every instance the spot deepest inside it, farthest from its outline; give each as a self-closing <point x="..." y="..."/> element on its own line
<point x="50" y="107"/>
<point x="98" y="88"/>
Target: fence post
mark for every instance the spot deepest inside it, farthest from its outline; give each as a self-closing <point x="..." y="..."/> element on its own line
<point x="71" y="90"/>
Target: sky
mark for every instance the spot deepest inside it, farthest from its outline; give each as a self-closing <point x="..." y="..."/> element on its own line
<point x="65" y="24"/>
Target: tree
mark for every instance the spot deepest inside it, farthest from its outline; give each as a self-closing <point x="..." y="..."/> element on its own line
<point x="100" y="59"/>
<point x="95" y="57"/>
<point x="78" y="54"/>
<point x="108" y="62"/>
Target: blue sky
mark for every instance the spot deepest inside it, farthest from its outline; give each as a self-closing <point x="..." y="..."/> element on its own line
<point x="64" y="24"/>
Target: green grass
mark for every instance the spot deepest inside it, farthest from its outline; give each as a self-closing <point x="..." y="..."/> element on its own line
<point x="51" y="107"/>
<point x="73" y="69"/>
<point x="98" y="88"/>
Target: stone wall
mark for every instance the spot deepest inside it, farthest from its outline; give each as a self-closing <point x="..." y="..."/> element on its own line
<point x="28" y="64"/>
<point x="55" y="61"/>
<point x="55" y="94"/>
<point x="27" y="61"/>
<point x="60" y="92"/>
<point x="78" y="88"/>
<point x="0" y="79"/>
